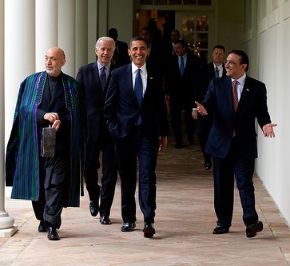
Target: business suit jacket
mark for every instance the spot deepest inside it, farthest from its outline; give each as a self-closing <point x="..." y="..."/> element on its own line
<point x="184" y="88"/>
<point x="226" y="123"/>
<point x="94" y="97"/>
<point x="121" y="56"/>
<point x="122" y="109"/>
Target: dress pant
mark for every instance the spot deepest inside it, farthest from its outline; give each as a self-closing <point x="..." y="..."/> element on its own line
<point x="224" y="172"/>
<point x="52" y="185"/>
<point x="203" y="128"/>
<point x="176" y="110"/>
<point x="105" y="147"/>
<point x="138" y="147"/>
<point x="109" y="175"/>
<point x="92" y="165"/>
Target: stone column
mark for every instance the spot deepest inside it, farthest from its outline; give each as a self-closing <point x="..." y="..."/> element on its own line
<point x="46" y="20"/>
<point x="81" y="41"/>
<point x="66" y="33"/>
<point x="18" y="63"/>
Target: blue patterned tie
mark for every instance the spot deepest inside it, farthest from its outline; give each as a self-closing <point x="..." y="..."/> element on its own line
<point x="103" y="77"/>
<point x="139" y="93"/>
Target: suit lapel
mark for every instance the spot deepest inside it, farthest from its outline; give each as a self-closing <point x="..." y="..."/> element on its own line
<point x="246" y="93"/>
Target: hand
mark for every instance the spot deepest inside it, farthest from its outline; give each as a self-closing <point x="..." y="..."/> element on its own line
<point x="194" y="113"/>
<point x="201" y="109"/>
<point x="268" y="130"/>
<point x="162" y="143"/>
<point x="51" y="117"/>
<point x="56" y="124"/>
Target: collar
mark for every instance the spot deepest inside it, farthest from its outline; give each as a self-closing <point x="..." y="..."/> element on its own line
<point x="143" y="68"/>
<point x="241" y="80"/>
<point x="100" y="65"/>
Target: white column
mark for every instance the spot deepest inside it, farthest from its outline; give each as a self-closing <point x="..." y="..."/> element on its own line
<point x="46" y="20"/>
<point x="18" y="63"/>
<point x="19" y="51"/>
<point x="81" y="41"/>
<point x="66" y="33"/>
<point x="92" y="29"/>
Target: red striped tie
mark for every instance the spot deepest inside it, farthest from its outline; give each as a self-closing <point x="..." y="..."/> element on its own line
<point x="235" y="94"/>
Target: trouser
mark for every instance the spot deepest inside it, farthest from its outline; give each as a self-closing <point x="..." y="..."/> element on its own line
<point x="145" y="149"/>
<point x="52" y="185"/>
<point x="224" y="171"/>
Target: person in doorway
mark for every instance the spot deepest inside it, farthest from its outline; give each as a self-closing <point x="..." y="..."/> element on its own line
<point x="94" y="79"/>
<point x="236" y="102"/>
<point x="136" y="114"/>
<point x="47" y="99"/>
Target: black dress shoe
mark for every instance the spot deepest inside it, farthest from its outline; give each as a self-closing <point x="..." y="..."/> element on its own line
<point x="218" y="230"/>
<point x="52" y="233"/>
<point x="105" y="220"/>
<point x="42" y="227"/>
<point x="148" y="230"/>
<point x="94" y="208"/>
<point x="253" y="229"/>
<point x="207" y="165"/>
<point x="128" y="227"/>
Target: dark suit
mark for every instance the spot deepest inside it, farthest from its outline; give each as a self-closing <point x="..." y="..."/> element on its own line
<point x="121" y="56"/>
<point x="98" y="139"/>
<point x="233" y="145"/>
<point x="204" y="123"/>
<point x="136" y="142"/>
<point x="182" y="91"/>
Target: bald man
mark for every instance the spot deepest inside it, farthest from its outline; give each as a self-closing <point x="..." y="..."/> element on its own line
<point x="48" y="99"/>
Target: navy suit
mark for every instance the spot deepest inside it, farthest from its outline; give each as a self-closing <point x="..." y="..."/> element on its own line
<point x="233" y="145"/>
<point x="204" y="124"/>
<point x="98" y="139"/>
<point x="136" y="142"/>
<point x="183" y="91"/>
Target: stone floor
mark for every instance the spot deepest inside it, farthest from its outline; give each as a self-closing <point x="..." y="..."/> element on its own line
<point x="184" y="222"/>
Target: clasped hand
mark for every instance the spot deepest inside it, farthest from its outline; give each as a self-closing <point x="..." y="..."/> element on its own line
<point x="53" y="119"/>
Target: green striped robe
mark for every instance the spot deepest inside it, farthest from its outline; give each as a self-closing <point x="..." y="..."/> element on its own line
<point x="22" y="155"/>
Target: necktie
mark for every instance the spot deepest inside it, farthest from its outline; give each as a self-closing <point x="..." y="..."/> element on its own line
<point x="103" y="77"/>
<point x="139" y="87"/>
<point x="181" y="66"/>
<point x="139" y="94"/>
<point x="235" y="94"/>
<point x="217" y="73"/>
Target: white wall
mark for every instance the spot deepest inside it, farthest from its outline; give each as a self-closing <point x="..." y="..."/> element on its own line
<point x="272" y="39"/>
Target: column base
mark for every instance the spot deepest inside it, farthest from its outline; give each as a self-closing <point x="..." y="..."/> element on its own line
<point x="8" y="232"/>
<point x="7" y="227"/>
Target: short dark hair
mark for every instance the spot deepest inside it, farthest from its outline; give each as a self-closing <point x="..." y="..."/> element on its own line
<point x="219" y="46"/>
<point x="137" y="38"/>
<point x="182" y="42"/>
<point x="244" y="59"/>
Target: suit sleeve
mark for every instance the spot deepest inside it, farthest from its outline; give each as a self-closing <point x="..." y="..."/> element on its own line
<point x="263" y="116"/>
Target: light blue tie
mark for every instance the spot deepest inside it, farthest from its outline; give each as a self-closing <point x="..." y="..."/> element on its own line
<point x="181" y="66"/>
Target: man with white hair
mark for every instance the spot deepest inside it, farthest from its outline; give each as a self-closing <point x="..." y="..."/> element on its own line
<point x="94" y="78"/>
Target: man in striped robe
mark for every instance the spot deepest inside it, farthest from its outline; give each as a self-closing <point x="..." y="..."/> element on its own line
<point x="47" y="99"/>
